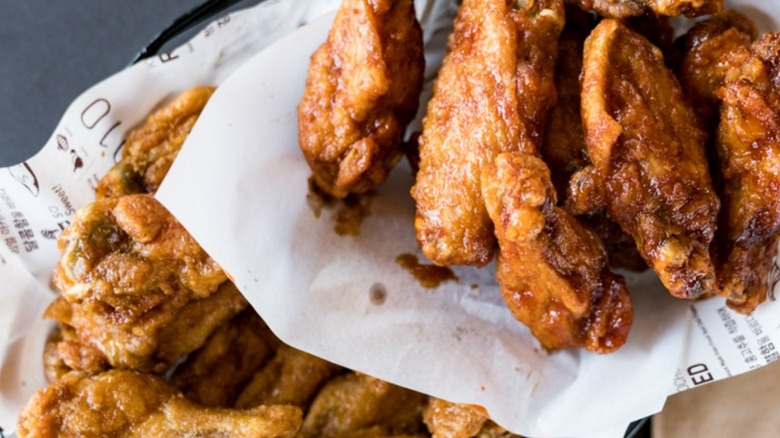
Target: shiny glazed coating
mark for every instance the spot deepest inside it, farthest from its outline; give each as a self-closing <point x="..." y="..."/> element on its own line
<point x="150" y="150"/>
<point x="552" y="269"/>
<point x="635" y="8"/>
<point x="129" y="404"/>
<point x="131" y="277"/>
<point x="748" y="144"/>
<point x="492" y="94"/>
<point x="704" y="62"/>
<point x="649" y="166"/>
<point x="354" y="404"/>
<point x="362" y="90"/>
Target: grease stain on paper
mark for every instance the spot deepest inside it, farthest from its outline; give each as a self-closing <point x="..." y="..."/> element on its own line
<point x="430" y="276"/>
<point x="348" y="213"/>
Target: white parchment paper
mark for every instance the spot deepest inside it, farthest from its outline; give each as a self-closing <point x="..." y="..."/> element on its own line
<point x="240" y="185"/>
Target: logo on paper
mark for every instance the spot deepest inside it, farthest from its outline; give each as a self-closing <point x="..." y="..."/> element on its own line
<point x="25" y="175"/>
<point x="64" y="145"/>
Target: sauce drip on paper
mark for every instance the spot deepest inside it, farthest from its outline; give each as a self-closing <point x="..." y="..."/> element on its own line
<point x="429" y="276"/>
<point x="349" y="212"/>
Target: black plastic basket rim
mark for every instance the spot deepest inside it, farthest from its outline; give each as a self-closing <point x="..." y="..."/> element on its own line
<point x="209" y="9"/>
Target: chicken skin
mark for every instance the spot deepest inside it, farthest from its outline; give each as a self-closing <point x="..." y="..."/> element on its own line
<point x="748" y="146"/>
<point x="636" y="8"/>
<point x="362" y="90"/>
<point x="552" y="269"/>
<point x="130" y="404"/>
<point x="493" y="94"/>
<point x="649" y="166"/>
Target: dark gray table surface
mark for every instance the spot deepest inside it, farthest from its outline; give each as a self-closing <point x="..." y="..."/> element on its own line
<point x="51" y="51"/>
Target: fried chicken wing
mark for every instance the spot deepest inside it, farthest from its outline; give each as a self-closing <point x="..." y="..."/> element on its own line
<point x="362" y="90"/>
<point x="551" y="268"/>
<point x="292" y="377"/>
<point x="563" y="146"/>
<point x="492" y="94"/>
<point x="649" y="165"/>
<point x="355" y="402"/>
<point x="129" y="404"/>
<point x="216" y="374"/>
<point x="704" y="62"/>
<point x="136" y="285"/>
<point x="150" y="150"/>
<point x="748" y="145"/>
<point x="635" y="8"/>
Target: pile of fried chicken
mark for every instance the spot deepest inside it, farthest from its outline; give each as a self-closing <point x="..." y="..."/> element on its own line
<point x="569" y="138"/>
<point x="565" y="138"/>
<point x="153" y="339"/>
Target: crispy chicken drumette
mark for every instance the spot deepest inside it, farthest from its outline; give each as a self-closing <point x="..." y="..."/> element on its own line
<point x="362" y="90"/>
<point x="492" y="94"/>
<point x="551" y="268"/>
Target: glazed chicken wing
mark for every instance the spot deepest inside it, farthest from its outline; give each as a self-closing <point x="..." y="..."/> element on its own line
<point x="136" y="286"/>
<point x="551" y="268"/>
<point x="649" y="165"/>
<point x="129" y="404"/>
<point x="492" y="94"/>
<point x="635" y="8"/>
<point x="748" y="145"/>
<point x="150" y="150"/>
<point x="362" y="90"/>
<point x="563" y="146"/>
